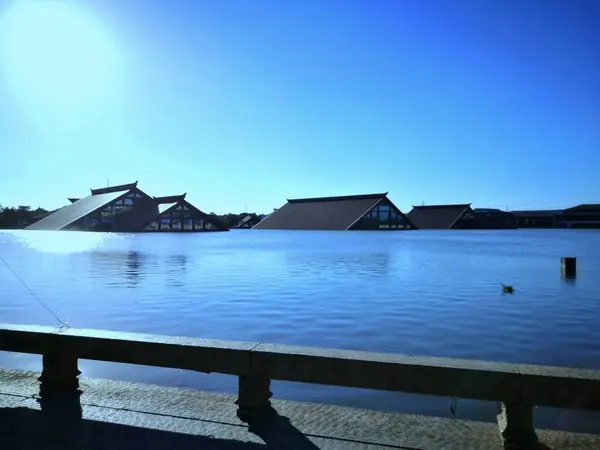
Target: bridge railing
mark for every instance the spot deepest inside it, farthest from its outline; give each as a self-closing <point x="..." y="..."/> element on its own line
<point x="519" y="388"/>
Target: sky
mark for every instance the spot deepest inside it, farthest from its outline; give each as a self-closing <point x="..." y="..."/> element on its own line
<point x="243" y="104"/>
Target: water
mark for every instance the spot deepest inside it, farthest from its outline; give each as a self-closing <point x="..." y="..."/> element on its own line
<point x="432" y="293"/>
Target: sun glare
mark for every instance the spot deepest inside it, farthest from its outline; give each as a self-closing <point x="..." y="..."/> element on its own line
<point x="55" y="51"/>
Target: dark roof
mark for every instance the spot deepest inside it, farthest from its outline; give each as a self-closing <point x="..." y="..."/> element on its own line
<point x="585" y="207"/>
<point x="537" y="213"/>
<point x="73" y="200"/>
<point x="486" y="210"/>
<point x="338" y="198"/>
<point x="170" y="198"/>
<point x="167" y="202"/>
<point x="69" y="214"/>
<point x="440" y="217"/>
<point x="494" y="211"/>
<point x="121" y="187"/>
<point x="323" y="213"/>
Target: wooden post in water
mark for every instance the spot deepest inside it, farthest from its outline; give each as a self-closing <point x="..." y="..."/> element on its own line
<point x="568" y="266"/>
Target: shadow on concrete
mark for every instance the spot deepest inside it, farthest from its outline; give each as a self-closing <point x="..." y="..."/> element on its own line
<point x="277" y="431"/>
<point x="60" y="425"/>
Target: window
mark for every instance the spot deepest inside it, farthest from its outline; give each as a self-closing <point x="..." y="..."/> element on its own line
<point x="384" y="215"/>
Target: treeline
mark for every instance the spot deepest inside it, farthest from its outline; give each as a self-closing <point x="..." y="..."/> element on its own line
<point x="23" y="216"/>
<point x="230" y="220"/>
<point x="19" y="217"/>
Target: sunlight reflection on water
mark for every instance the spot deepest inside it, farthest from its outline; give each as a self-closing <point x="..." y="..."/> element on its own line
<point x="63" y="242"/>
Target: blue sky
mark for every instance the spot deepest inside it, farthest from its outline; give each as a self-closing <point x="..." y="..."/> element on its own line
<point x="247" y="103"/>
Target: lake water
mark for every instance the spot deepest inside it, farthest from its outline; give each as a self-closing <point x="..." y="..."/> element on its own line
<point x="432" y="293"/>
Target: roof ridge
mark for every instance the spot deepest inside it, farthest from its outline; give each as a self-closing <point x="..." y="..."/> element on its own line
<point x="337" y="198"/>
<point x="115" y="188"/>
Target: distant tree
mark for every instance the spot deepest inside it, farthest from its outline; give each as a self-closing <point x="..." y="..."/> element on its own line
<point x="19" y="217"/>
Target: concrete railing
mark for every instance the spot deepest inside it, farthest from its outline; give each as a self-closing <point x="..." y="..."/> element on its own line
<point x="517" y="387"/>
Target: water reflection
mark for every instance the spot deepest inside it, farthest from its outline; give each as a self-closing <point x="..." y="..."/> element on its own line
<point x="339" y="263"/>
<point x="176" y="269"/>
<point x="432" y="293"/>
<point x="129" y="269"/>
<point x="118" y="269"/>
<point x="134" y="268"/>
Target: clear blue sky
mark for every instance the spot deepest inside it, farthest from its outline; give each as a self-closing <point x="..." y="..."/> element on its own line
<point x="251" y="102"/>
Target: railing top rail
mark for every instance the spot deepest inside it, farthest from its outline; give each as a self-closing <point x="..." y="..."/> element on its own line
<point x="203" y="355"/>
<point x="507" y="382"/>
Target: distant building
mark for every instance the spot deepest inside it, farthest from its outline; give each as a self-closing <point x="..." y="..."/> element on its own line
<point x="460" y="217"/>
<point x="177" y="214"/>
<point x="441" y="217"/>
<point x="581" y="216"/>
<point x="537" y="218"/>
<point x="493" y="219"/>
<point x="126" y="208"/>
<point x="351" y="212"/>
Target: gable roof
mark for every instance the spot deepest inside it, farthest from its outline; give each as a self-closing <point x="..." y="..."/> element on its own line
<point x="167" y="202"/>
<point x="164" y="207"/>
<point x="441" y="217"/>
<point x="170" y="198"/>
<point x="70" y="213"/>
<point x="322" y="213"/>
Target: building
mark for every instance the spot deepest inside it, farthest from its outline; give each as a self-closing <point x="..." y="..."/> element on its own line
<point x="175" y="213"/>
<point x="493" y="219"/>
<point x="460" y="217"/>
<point x="126" y="208"/>
<point x="581" y="216"/>
<point x="537" y="218"/>
<point x="351" y="212"/>
<point x="442" y="217"/>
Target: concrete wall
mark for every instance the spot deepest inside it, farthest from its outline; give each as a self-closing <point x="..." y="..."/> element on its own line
<point x="511" y="383"/>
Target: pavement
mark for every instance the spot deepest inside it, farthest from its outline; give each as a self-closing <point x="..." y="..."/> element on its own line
<point x="116" y="415"/>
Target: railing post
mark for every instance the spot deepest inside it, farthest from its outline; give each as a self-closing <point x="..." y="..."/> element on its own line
<point x="253" y="394"/>
<point x="516" y="426"/>
<point x="59" y="373"/>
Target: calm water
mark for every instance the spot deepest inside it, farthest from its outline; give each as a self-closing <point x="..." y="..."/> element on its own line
<point x="428" y="293"/>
